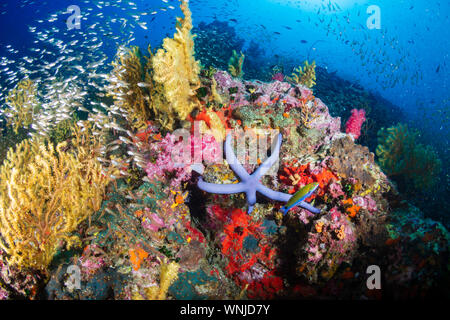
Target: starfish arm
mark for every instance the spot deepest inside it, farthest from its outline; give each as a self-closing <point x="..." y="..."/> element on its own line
<point x="272" y="194"/>
<point x="269" y="162"/>
<point x="307" y="206"/>
<point x="233" y="161"/>
<point x="220" y="188"/>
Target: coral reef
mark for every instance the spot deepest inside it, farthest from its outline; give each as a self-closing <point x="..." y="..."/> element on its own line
<point x="350" y="160"/>
<point x="250" y="184"/>
<point x="141" y="199"/>
<point x="331" y="241"/>
<point x="174" y="162"/>
<point x="416" y="245"/>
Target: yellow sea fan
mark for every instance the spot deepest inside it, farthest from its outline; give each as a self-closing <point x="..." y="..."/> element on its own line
<point x="399" y="154"/>
<point x="176" y="70"/>
<point x="135" y="99"/>
<point x="22" y="104"/>
<point x="235" y="64"/>
<point x="306" y="75"/>
<point x="45" y="193"/>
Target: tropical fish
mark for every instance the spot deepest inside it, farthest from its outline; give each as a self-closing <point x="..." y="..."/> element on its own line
<point x="299" y="196"/>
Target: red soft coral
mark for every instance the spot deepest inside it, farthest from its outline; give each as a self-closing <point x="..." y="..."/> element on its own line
<point x="354" y="123"/>
<point x="299" y="176"/>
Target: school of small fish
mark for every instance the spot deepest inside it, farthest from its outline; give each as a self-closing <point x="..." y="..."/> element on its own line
<point x="71" y="67"/>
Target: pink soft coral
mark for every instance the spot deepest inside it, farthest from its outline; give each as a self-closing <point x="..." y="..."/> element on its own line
<point x="366" y="202"/>
<point x="175" y="157"/>
<point x="354" y="123"/>
<point x="278" y="76"/>
<point x="335" y="190"/>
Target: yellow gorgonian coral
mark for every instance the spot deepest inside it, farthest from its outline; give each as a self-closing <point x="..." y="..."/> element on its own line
<point x="22" y="104"/>
<point x="236" y="64"/>
<point x="176" y="71"/>
<point x="127" y="86"/>
<point x="305" y="76"/>
<point x="168" y="275"/>
<point x="45" y="192"/>
<point x="400" y="154"/>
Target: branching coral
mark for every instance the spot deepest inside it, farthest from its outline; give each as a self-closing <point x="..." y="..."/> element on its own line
<point x="176" y="70"/>
<point x="127" y="86"/>
<point x="63" y="130"/>
<point x="45" y="193"/>
<point x="307" y="112"/>
<point x="400" y="155"/>
<point x="306" y="75"/>
<point x="235" y="64"/>
<point x="22" y="104"/>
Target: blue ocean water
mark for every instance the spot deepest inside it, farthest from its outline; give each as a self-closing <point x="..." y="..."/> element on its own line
<point x="396" y="50"/>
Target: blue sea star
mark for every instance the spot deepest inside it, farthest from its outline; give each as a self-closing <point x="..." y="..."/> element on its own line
<point x="250" y="184"/>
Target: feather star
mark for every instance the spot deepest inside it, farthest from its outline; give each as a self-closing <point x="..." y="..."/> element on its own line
<point x="250" y="184"/>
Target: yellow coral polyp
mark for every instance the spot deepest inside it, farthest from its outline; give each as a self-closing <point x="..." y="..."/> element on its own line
<point x="176" y="71"/>
<point x="340" y="233"/>
<point x="22" y="104"/>
<point x="319" y="226"/>
<point x="179" y="198"/>
<point x="45" y="193"/>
